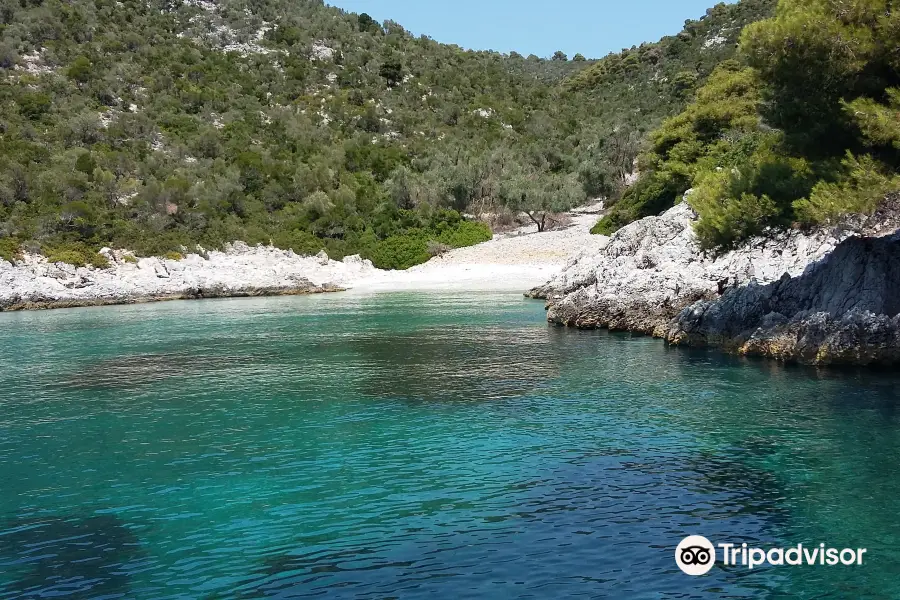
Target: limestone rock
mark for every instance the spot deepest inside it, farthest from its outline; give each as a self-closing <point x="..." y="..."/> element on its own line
<point x="239" y="270"/>
<point x="843" y="308"/>
<point x="820" y="296"/>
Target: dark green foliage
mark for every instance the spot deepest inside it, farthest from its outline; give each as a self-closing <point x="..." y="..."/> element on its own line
<point x="401" y="251"/>
<point x="739" y="202"/>
<point x="81" y="70"/>
<point x="367" y="23"/>
<point x="809" y="132"/>
<point x="392" y="71"/>
<point x="684" y="83"/>
<point x="465" y="233"/>
<point x="86" y="164"/>
<point x="650" y="195"/>
<point x="416" y="244"/>
<point x="816" y="54"/>
<point x="301" y="242"/>
<point x="861" y="185"/>
<point x="33" y="105"/>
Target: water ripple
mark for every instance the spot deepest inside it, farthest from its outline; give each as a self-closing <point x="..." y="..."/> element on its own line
<point x="420" y="446"/>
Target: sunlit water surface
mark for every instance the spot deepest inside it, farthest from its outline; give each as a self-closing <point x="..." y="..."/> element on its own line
<point x="422" y="446"/>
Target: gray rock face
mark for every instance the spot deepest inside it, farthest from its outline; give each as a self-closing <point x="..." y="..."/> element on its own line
<point x="843" y="309"/>
<point x="822" y="296"/>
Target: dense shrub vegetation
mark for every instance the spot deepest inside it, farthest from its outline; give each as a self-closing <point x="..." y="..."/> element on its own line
<point x="157" y="125"/>
<point x="417" y="245"/>
<point x="654" y="76"/>
<point x="805" y="128"/>
<point x="161" y="124"/>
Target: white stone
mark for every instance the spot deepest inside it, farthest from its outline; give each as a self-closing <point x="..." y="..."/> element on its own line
<point x="654" y="267"/>
<point x="239" y="266"/>
<point x="320" y="51"/>
<point x="716" y="40"/>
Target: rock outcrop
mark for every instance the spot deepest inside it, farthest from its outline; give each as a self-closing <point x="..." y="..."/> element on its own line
<point x="239" y="270"/>
<point x="829" y="295"/>
<point x="844" y="308"/>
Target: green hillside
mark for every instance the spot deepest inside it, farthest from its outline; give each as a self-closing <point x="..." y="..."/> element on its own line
<point x="155" y="125"/>
<point x="656" y="79"/>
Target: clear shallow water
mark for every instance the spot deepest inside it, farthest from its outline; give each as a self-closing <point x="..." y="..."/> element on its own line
<point x="422" y="446"/>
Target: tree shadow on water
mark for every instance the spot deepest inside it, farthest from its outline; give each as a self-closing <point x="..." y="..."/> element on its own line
<point x="71" y="556"/>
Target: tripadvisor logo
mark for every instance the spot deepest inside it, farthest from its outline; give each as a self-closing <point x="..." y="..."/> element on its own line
<point x="696" y="555"/>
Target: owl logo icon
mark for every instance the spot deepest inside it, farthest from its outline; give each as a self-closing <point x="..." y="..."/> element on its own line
<point x="695" y="555"/>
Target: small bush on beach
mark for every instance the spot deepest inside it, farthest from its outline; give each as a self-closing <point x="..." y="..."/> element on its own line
<point x="418" y="245"/>
<point x="466" y="233"/>
<point x="401" y="251"/>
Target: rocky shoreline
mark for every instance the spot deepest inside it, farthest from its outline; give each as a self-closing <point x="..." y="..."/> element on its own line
<point x="826" y="296"/>
<point x="237" y="271"/>
<point x="198" y="294"/>
<point x="509" y="262"/>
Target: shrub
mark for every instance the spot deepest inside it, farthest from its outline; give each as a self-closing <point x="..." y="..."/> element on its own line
<point x="32" y="105"/>
<point x="78" y="254"/>
<point x="172" y="255"/>
<point x="302" y="242"/>
<point x="98" y="260"/>
<point x="416" y="245"/>
<point x="401" y="251"/>
<point x="604" y="227"/>
<point x="860" y="190"/>
<point x="67" y="256"/>
<point x="367" y="23"/>
<point x="652" y="194"/>
<point x="10" y="249"/>
<point x="466" y="233"/>
<point x="130" y="259"/>
<point x="738" y="202"/>
<point x="727" y="212"/>
<point x="81" y="70"/>
<point x="392" y="71"/>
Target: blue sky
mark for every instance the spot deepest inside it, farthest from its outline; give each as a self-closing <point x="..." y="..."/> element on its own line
<point x="592" y="27"/>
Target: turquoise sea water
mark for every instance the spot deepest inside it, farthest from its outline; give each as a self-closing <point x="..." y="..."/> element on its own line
<point x="422" y="446"/>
